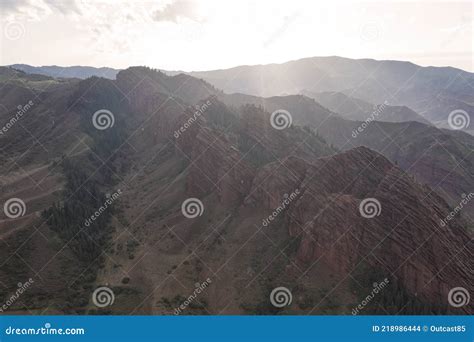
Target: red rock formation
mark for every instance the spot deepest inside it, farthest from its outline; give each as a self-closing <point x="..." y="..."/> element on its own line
<point x="406" y="237"/>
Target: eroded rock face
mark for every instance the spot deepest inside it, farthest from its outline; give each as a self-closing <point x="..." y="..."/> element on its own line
<point x="403" y="239"/>
<point x="406" y="236"/>
<point x="217" y="166"/>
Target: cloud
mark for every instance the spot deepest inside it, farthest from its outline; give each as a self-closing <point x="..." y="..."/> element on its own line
<point x="36" y="9"/>
<point x="65" y="7"/>
<point x="11" y="6"/>
<point x="175" y="10"/>
<point x="26" y="9"/>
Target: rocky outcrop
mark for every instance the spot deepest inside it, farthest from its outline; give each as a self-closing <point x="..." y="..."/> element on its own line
<point x="406" y="238"/>
<point x="250" y="165"/>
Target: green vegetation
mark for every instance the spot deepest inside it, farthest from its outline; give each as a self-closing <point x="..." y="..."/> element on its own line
<point x="71" y="218"/>
<point x="81" y="219"/>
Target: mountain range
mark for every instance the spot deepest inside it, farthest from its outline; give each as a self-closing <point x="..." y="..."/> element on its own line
<point x="81" y="72"/>
<point x="430" y="93"/>
<point x="279" y="203"/>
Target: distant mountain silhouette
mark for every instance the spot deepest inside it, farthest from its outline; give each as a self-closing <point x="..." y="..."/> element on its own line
<point x="432" y="92"/>
<point x="356" y="109"/>
<point x="81" y="72"/>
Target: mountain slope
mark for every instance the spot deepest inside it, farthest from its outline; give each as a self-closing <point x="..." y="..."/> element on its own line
<point x="175" y="139"/>
<point x="433" y="92"/>
<point x="230" y="236"/>
<point x="434" y="157"/>
<point x="356" y="109"/>
<point x="442" y="159"/>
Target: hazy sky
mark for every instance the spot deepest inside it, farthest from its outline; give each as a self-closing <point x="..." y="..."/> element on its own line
<point x="213" y="34"/>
